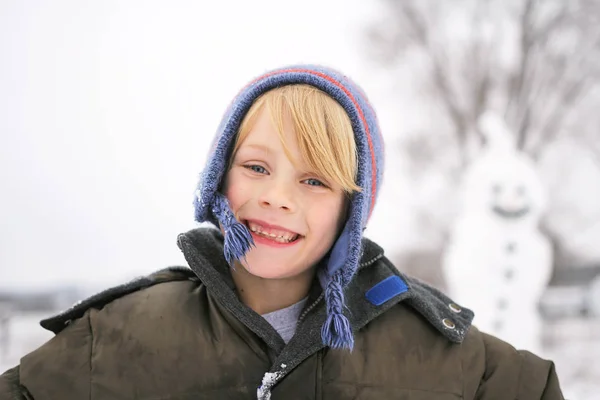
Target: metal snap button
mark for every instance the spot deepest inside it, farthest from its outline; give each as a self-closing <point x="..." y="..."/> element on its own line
<point x="454" y="308"/>
<point x="448" y="323"/>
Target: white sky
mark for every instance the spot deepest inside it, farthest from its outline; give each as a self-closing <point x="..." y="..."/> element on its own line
<point x="106" y="111"/>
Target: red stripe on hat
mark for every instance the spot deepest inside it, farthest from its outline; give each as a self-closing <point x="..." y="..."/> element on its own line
<point x="360" y="112"/>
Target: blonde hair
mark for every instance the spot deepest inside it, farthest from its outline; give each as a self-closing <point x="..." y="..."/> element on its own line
<point x="323" y="130"/>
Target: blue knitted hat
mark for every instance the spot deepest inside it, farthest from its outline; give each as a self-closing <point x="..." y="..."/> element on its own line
<point x="343" y="259"/>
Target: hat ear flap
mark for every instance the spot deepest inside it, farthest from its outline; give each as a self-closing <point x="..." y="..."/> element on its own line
<point x="238" y="239"/>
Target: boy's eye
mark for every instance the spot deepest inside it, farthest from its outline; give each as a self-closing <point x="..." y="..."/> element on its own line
<point x="256" y="168"/>
<point x="314" y="182"/>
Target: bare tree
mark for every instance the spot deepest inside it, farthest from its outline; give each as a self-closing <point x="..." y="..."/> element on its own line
<point x="534" y="60"/>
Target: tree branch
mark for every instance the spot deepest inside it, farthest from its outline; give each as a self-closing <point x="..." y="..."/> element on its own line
<point x="517" y="84"/>
<point x="542" y="34"/>
<point x="480" y="60"/>
<point x="568" y="101"/>
<point x="561" y="76"/>
<point x="439" y="75"/>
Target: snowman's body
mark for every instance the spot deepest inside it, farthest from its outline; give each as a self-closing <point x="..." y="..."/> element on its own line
<point x="498" y="263"/>
<point x="501" y="273"/>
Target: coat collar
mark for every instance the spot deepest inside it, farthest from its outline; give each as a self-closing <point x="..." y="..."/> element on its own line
<point x="377" y="286"/>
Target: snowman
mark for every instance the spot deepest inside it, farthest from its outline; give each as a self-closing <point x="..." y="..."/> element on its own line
<point x="497" y="261"/>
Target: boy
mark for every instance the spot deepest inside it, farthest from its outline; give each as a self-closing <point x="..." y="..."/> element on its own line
<point x="286" y="299"/>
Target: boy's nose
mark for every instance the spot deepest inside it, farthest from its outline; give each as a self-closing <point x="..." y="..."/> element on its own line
<point x="277" y="197"/>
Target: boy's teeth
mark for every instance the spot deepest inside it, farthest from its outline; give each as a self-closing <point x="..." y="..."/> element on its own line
<point x="275" y="234"/>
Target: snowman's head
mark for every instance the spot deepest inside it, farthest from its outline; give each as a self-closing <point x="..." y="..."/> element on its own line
<point x="503" y="183"/>
<point x="510" y="200"/>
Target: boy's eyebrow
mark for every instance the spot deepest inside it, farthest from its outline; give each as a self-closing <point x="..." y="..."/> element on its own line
<point x="255" y="146"/>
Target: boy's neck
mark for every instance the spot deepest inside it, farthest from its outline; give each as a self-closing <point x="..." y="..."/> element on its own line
<point x="268" y="295"/>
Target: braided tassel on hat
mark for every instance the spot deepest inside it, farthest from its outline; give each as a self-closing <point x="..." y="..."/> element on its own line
<point x="238" y="239"/>
<point x="336" y="331"/>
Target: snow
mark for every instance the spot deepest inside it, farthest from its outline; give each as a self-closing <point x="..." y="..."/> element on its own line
<point x="574" y="346"/>
<point x="269" y="379"/>
<point x="24" y="335"/>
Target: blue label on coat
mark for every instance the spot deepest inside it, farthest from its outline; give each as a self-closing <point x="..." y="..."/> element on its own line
<point x="385" y="290"/>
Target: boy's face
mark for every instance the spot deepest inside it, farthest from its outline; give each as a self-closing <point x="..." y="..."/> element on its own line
<point x="293" y="214"/>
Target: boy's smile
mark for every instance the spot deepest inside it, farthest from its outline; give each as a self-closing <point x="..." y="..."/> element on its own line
<point x="293" y="214"/>
<point x="272" y="235"/>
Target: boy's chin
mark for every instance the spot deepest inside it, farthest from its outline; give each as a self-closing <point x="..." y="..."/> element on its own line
<point x="269" y="270"/>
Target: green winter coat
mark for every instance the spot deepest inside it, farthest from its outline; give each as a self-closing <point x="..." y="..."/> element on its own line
<point x="183" y="334"/>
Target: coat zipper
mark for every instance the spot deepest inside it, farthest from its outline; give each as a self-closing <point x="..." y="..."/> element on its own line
<point x="281" y="374"/>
